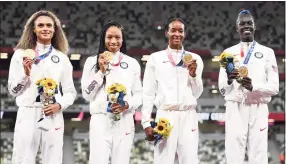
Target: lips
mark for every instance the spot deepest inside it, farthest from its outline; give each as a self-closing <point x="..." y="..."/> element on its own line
<point x="247" y="31"/>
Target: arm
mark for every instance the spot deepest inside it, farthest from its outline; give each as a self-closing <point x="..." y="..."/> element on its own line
<point x="17" y="79"/>
<point x="69" y="92"/>
<point x="197" y="82"/>
<point x="271" y="88"/>
<point x="149" y="90"/>
<point x="224" y="87"/>
<point x="136" y="99"/>
<point x="91" y="80"/>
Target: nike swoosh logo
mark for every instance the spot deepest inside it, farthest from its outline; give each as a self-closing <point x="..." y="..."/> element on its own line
<point x="127" y="134"/>
<point x="262" y="129"/>
<point x="194" y="130"/>
<point x="166" y="61"/>
<point x="57" y="128"/>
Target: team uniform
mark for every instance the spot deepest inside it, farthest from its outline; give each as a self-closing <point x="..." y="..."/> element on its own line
<point x="27" y="137"/>
<point x="174" y="92"/>
<point x="246" y="111"/>
<point x="109" y="137"/>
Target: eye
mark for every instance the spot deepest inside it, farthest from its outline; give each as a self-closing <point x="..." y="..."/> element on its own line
<point x="40" y="25"/>
<point x="49" y="25"/>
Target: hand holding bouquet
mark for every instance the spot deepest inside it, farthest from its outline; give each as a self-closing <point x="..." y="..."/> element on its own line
<point x="116" y="93"/>
<point x="162" y="129"/>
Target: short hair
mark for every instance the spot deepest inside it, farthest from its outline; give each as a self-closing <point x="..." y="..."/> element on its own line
<point x="243" y="12"/>
<point x="173" y="20"/>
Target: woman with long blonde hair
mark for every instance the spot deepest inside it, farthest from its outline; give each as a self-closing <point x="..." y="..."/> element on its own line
<point x="40" y="54"/>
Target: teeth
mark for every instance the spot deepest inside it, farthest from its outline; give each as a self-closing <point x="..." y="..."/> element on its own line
<point x="246" y="32"/>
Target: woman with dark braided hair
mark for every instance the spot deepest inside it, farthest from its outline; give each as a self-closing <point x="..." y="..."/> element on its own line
<point x="110" y="138"/>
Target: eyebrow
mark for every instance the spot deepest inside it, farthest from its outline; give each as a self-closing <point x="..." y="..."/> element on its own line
<point x="44" y="23"/>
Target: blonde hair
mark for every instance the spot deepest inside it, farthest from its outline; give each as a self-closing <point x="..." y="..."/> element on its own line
<point x="28" y="39"/>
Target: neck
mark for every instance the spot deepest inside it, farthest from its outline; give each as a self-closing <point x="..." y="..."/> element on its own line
<point x="177" y="47"/>
<point x="247" y="39"/>
<point x="44" y="42"/>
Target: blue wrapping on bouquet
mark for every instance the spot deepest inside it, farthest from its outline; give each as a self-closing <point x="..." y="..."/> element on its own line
<point x="157" y="136"/>
<point x="230" y="65"/>
<point x="41" y="91"/>
<point x="119" y="100"/>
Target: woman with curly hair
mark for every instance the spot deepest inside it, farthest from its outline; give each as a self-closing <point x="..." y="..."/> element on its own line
<point x="40" y="53"/>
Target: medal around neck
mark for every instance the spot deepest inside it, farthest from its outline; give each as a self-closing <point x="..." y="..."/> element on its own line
<point x="29" y="53"/>
<point x="243" y="71"/>
<point x="187" y="59"/>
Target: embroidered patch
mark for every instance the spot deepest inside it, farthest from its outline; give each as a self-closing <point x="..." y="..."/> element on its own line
<point x="91" y="87"/>
<point x="55" y="59"/>
<point x="258" y="55"/>
<point x="123" y="65"/>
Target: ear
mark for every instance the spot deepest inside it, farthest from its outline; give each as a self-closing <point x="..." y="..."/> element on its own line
<point x="166" y="34"/>
<point x="236" y="28"/>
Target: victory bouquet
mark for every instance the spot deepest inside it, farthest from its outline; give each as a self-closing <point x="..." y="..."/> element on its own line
<point x="226" y="61"/>
<point x="116" y="93"/>
<point x="47" y="88"/>
<point x="162" y="129"/>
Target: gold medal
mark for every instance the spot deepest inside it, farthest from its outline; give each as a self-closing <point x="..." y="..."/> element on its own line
<point x="187" y="59"/>
<point x="29" y="53"/>
<point x="108" y="55"/>
<point x="243" y="71"/>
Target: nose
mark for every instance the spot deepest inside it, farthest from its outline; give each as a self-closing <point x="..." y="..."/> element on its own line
<point x="177" y="33"/>
<point x="113" y="41"/>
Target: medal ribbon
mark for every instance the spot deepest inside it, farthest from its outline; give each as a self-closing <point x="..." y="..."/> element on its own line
<point x="38" y="58"/>
<point x="172" y="60"/>
<point x="246" y="60"/>
<point x="117" y="64"/>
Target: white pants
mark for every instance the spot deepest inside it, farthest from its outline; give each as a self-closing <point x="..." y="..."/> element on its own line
<point x="246" y="125"/>
<point x="183" y="140"/>
<point x="27" y="138"/>
<point x="110" y="138"/>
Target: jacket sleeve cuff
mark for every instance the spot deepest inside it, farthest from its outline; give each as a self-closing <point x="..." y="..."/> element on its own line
<point x="193" y="80"/>
<point x="146" y="124"/>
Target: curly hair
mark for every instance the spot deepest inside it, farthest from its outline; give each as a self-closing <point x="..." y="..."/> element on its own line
<point x="28" y="39"/>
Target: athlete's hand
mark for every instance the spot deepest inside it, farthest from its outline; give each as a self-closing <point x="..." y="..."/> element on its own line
<point x="247" y="83"/>
<point x="52" y="109"/>
<point x="149" y="133"/>
<point x="103" y="63"/>
<point x="117" y="108"/>
<point x="233" y="75"/>
<point x="27" y="64"/>
<point x="192" y="68"/>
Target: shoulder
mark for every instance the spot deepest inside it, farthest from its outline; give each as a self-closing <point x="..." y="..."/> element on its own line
<point x="18" y="52"/>
<point x="194" y="55"/>
<point x="132" y="61"/>
<point x="158" y="53"/>
<point x="18" y="55"/>
<point x="61" y="55"/>
<point x="264" y="48"/>
<point x="265" y="51"/>
<point x="232" y="48"/>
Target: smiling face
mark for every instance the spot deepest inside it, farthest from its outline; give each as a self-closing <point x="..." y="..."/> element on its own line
<point x="113" y="39"/>
<point x="245" y="27"/>
<point x="44" y="29"/>
<point x="176" y="34"/>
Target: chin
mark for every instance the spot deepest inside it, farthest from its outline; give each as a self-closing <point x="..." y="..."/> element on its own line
<point x="247" y="39"/>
